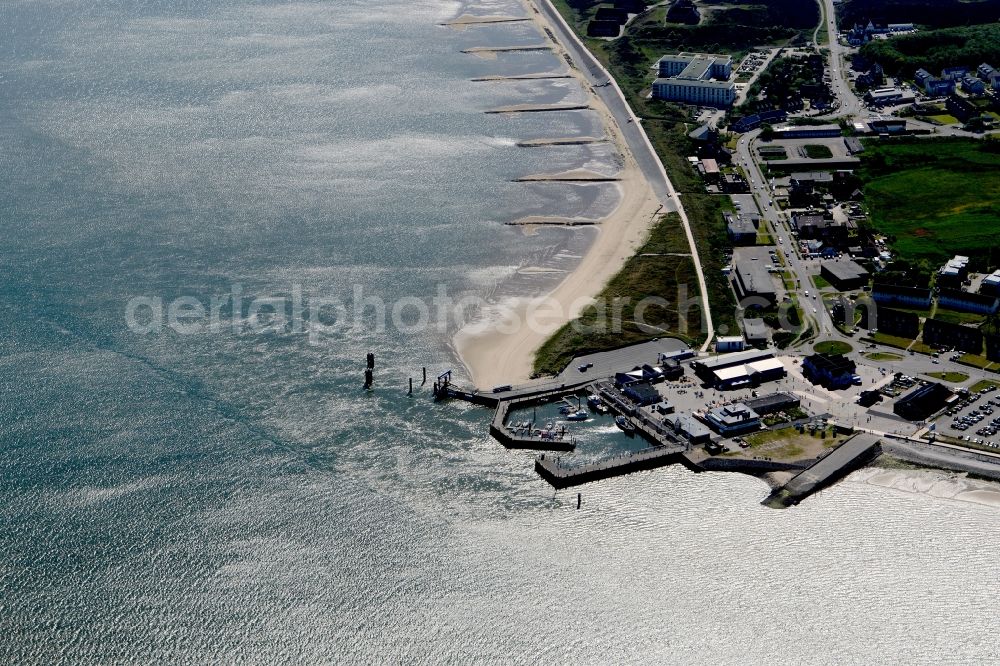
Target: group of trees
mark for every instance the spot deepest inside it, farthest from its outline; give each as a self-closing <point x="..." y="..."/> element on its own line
<point x="934" y="50"/>
<point x="927" y="13"/>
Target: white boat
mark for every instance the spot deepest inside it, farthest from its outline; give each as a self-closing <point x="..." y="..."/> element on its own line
<point x="580" y="415"/>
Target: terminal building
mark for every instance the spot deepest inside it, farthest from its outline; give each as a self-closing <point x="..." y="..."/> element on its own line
<point x="733" y="419"/>
<point x="695" y="78"/>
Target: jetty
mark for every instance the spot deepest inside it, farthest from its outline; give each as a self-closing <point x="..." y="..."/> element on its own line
<point x="559" y="475"/>
<point x="528" y="435"/>
<point x="853" y="454"/>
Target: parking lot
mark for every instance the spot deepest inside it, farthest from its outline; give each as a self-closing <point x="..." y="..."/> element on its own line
<point x="975" y="419"/>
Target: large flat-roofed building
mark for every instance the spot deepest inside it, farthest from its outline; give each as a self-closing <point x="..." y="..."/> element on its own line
<point x="706" y="366"/>
<point x="696" y="78"/>
<point x="773" y="402"/>
<point x="844" y="275"/>
<point x="749" y="368"/>
<point x="807" y="131"/>
<point x="751" y="279"/>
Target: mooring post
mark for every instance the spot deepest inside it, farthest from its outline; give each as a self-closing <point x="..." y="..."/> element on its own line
<point x="579" y="499"/>
<point x="369" y="378"/>
<point x="411" y="386"/>
<point x="425" y="377"/>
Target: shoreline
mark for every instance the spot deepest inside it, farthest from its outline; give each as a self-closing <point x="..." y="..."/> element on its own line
<point x="493" y="356"/>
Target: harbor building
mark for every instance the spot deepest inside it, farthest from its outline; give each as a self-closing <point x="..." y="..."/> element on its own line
<point x="695" y="78"/>
<point x="733" y="419"/>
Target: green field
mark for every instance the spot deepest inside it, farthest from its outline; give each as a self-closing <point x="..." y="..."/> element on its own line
<point x="883" y="356"/>
<point x="832" y="347"/>
<point x="983" y="383"/>
<point x="953" y="377"/>
<point x="817" y="151"/>
<point x="936" y="198"/>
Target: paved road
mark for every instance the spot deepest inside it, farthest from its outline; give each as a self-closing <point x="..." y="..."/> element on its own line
<point x="850" y="105"/>
<point x="607" y="89"/>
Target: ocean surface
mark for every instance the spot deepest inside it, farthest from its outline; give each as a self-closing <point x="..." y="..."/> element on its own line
<point x="228" y="494"/>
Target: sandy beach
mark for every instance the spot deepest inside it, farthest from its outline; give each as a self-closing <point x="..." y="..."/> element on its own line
<point x="504" y="351"/>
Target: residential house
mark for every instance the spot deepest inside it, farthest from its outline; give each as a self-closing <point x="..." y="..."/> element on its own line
<point x="965" y="301"/>
<point x="911" y="297"/>
<point x="939" y="333"/>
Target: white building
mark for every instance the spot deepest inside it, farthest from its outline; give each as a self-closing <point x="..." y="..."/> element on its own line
<point x="696" y="78"/>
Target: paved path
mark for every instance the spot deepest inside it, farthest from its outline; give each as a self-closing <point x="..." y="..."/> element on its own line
<point x="642" y="150"/>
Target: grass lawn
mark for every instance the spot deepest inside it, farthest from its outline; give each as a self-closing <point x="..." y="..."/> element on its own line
<point x="944" y="119"/>
<point x="817" y="151"/>
<point x="983" y="383"/>
<point x="953" y="377"/>
<point x="892" y="340"/>
<point x="786" y="444"/>
<point x="832" y="347"/>
<point x="883" y="356"/>
<point x="935" y="198"/>
<point x="953" y="317"/>
<point x="975" y="361"/>
<point x="820" y="281"/>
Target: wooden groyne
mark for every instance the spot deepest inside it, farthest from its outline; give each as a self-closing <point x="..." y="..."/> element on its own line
<point x="538" y="108"/>
<point x="559" y="475"/>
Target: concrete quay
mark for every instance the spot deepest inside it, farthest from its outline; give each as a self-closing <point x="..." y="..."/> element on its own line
<point x="558" y="475"/>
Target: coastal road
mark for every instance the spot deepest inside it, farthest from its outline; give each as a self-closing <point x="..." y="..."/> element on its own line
<point x="781" y="232"/>
<point x="606" y="88"/>
<point x="850" y="105"/>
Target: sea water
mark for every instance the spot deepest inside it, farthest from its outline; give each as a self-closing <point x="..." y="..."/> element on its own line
<point x="229" y="493"/>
